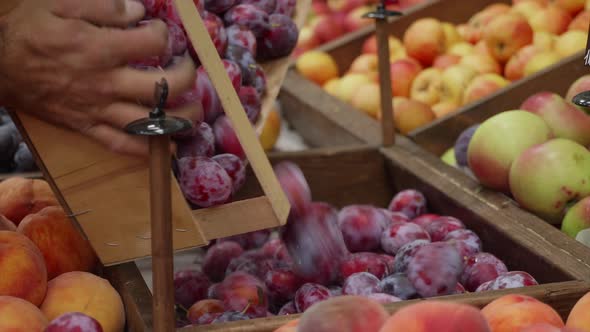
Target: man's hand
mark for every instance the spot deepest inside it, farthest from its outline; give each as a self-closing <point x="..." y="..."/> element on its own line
<point x="65" y="61"/>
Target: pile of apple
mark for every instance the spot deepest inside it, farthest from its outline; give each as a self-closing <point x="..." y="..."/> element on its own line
<point x="439" y="67"/>
<point x="46" y="280"/>
<point x="330" y="19"/>
<point x="388" y="255"/>
<point x="538" y="154"/>
<point x="509" y="313"/>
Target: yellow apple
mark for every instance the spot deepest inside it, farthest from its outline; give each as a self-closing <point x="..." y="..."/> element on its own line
<point x="452" y="36"/>
<point x="332" y="86"/>
<point x="482" y="63"/>
<point x="349" y="84"/>
<point x="409" y="115"/>
<point x="367" y="99"/>
<point x="544" y="40"/>
<point x="552" y="19"/>
<point x="514" y="69"/>
<point x="527" y="8"/>
<point x="541" y="61"/>
<point x="454" y="82"/>
<point x="571" y="42"/>
<point x="461" y="49"/>
<point x="443" y="108"/>
<point x="364" y="64"/>
<point x="481" y="19"/>
<point x="482" y="86"/>
<point x="426" y="87"/>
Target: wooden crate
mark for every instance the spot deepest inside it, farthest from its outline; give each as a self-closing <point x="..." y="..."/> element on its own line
<point x="367" y="175"/>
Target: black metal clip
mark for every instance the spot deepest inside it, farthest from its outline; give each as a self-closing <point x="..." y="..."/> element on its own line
<point x="583" y="99"/>
<point x="382" y="13"/>
<point x="158" y="123"/>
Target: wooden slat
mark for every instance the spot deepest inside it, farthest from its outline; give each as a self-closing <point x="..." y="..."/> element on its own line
<point x="561" y="296"/>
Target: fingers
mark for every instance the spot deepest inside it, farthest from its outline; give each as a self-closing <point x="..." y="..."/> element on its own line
<point x="138" y="85"/>
<point x="118" y="141"/>
<point x="117" y="13"/>
<point x="119" y="115"/>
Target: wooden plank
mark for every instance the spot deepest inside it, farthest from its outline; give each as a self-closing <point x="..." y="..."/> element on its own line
<point x="197" y="32"/>
<point x="441" y="134"/>
<point x="561" y="296"/>
<point x="111" y="188"/>
<point x="137" y="298"/>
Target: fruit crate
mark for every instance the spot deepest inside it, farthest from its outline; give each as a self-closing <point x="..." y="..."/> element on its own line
<point x="368" y="175"/>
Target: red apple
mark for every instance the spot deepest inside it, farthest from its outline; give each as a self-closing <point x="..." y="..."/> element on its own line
<point x="514" y="69"/>
<point x="425" y="40"/>
<point x="552" y="19"/>
<point x="445" y="61"/>
<point x="506" y="34"/>
<point x="580" y="22"/>
<point x="355" y="20"/>
<point x="404" y="71"/>
<point x="327" y="28"/>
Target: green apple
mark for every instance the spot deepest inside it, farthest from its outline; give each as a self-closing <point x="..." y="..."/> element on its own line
<point x="449" y="157"/>
<point x="547" y="177"/>
<point x="577" y="218"/>
<point x="499" y="140"/>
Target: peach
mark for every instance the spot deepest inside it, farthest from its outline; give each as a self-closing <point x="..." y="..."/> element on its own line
<point x="411" y="114"/>
<point x="86" y="293"/>
<point x="571" y="42"/>
<point x="446" y="60"/>
<point x="580" y="22"/>
<point x="317" y="66"/>
<point x="18" y="315"/>
<point x="514" y="69"/>
<point x="443" y="108"/>
<point x="349" y="85"/>
<point x="20" y="196"/>
<point x="424" y="40"/>
<point x="541" y="61"/>
<point x="484" y="64"/>
<point x="367" y="99"/>
<point x="426" y="87"/>
<point x="544" y="40"/>
<point x="64" y="248"/>
<point x="6" y="225"/>
<point x="580" y="85"/>
<point x="403" y="73"/>
<point x="506" y="34"/>
<point x="483" y="86"/>
<point x="343" y="314"/>
<point x="364" y="64"/>
<point x="578" y="317"/>
<point x="515" y="312"/>
<point x="22" y="268"/>
<point x="551" y="19"/>
<point x="437" y="316"/>
<point x="481" y="19"/>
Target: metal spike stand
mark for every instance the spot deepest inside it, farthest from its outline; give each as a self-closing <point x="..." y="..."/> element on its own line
<point x="381" y="15"/>
<point x="583" y="99"/>
<point x="158" y="127"/>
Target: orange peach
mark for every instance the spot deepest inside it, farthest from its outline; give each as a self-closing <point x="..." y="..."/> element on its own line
<point x="482" y="86"/>
<point x="6" y="225"/>
<point x="580" y="85"/>
<point x="481" y="19"/>
<point x="515" y="312"/>
<point x="409" y="115"/>
<point x="484" y="64"/>
<point x="317" y="66"/>
<point x="514" y="69"/>
<point x="436" y="316"/>
<point x="62" y="245"/>
<point x="403" y="73"/>
<point x="443" y="108"/>
<point x="552" y="19"/>
<point x="367" y="99"/>
<point x="18" y="315"/>
<point x="506" y="34"/>
<point x="86" y="293"/>
<point x="424" y="40"/>
<point x="580" y="22"/>
<point x="20" y="197"/>
<point x="578" y="317"/>
<point x="446" y="60"/>
<point x="22" y="269"/>
<point x="343" y="313"/>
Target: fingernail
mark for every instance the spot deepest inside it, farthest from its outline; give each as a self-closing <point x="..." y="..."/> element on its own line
<point x="134" y="8"/>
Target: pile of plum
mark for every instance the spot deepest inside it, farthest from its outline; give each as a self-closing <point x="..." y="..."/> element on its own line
<point x="389" y="255"/>
<point x="15" y="155"/>
<point x="211" y="162"/>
